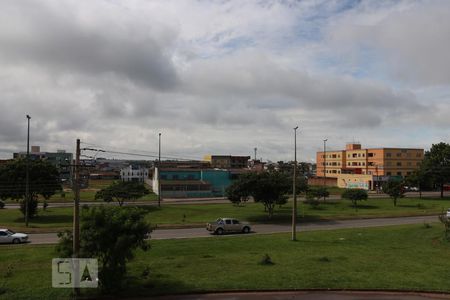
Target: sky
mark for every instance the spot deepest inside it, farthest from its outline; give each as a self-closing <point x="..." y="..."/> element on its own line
<point x="224" y="77"/>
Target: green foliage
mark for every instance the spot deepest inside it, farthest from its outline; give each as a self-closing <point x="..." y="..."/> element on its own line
<point x="32" y="207"/>
<point x="43" y="177"/>
<point x="2" y="204"/>
<point x="110" y="234"/>
<point x="268" y="188"/>
<point x="239" y="191"/>
<point x="355" y="195"/>
<point x="436" y="165"/>
<point x="122" y="191"/>
<point x="266" y="260"/>
<point x="394" y="189"/>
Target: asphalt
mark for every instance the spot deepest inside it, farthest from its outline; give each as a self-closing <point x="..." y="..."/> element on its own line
<point x="161" y="234"/>
<point x="306" y="295"/>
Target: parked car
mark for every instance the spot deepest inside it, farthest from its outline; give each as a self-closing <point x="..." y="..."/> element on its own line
<point x="222" y="225"/>
<point x="9" y="236"/>
<point x="411" y="189"/>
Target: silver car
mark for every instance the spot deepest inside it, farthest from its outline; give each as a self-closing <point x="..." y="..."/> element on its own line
<point x="8" y="236"/>
<point x="222" y="225"/>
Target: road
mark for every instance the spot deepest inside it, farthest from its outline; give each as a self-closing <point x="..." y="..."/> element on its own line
<point x="160" y="234"/>
<point x="218" y="200"/>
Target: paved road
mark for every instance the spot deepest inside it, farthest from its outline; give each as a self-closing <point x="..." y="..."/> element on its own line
<point x="218" y="200"/>
<point x="51" y="238"/>
<point x="306" y="295"/>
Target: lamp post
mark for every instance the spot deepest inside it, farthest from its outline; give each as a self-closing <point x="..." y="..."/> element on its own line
<point x="294" y="184"/>
<point x="159" y="169"/>
<point x="27" y="175"/>
<point x="324" y="165"/>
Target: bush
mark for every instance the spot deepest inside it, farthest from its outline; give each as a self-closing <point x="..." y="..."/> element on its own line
<point x="110" y="234"/>
<point x="2" y="204"/>
<point x="266" y="260"/>
<point x="32" y="207"/>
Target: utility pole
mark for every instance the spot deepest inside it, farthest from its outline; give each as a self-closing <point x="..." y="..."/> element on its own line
<point x="76" y="217"/>
<point x="27" y="176"/>
<point x="255" y="152"/>
<point x="324" y="164"/>
<point x="294" y="184"/>
<point x="159" y="170"/>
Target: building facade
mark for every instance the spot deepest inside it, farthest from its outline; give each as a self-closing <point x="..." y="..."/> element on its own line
<point x="380" y="163"/>
<point x="134" y="173"/>
<point x="227" y="161"/>
<point x="61" y="159"/>
<point x="188" y="183"/>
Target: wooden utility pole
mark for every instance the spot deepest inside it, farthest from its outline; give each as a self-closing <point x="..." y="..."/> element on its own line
<point x="76" y="216"/>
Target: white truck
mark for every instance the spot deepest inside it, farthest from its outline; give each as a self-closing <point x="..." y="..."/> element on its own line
<point x="222" y="225"/>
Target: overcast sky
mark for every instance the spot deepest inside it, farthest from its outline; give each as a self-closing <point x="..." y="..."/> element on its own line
<point x="224" y="77"/>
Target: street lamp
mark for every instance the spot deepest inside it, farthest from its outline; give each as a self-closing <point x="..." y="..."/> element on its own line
<point x="159" y="170"/>
<point x="324" y="165"/>
<point x="27" y="176"/>
<point x="294" y="184"/>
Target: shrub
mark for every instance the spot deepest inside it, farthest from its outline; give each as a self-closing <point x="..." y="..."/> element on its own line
<point x="266" y="260"/>
<point x="2" y="204"/>
<point x="32" y="207"/>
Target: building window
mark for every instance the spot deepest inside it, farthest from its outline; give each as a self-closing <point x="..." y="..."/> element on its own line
<point x="371" y="154"/>
<point x="409" y="163"/>
<point x="388" y="173"/>
<point x="399" y="154"/>
<point x="399" y="164"/>
<point x="388" y="154"/>
<point x="399" y="173"/>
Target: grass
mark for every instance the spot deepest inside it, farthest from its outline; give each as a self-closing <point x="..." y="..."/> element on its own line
<point x="88" y="194"/>
<point x="55" y="219"/>
<point x="412" y="257"/>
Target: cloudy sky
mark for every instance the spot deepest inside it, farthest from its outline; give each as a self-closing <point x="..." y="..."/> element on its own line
<point x="224" y="77"/>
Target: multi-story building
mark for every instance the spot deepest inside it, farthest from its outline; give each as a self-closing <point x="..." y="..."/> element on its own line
<point x="227" y="161"/>
<point x="134" y="173"/>
<point x="379" y="162"/>
<point x="60" y="159"/>
<point x="191" y="182"/>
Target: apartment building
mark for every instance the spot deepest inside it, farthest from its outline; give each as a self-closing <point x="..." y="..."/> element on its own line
<point x="227" y="161"/>
<point x="380" y="163"/>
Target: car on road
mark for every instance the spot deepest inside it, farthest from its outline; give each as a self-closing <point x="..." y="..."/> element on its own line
<point x="223" y="225"/>
<point x="8" y="236"/>
<point x="448" y="213"/>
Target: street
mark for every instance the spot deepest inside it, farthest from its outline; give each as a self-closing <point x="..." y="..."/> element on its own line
<point x="160" y="234"/>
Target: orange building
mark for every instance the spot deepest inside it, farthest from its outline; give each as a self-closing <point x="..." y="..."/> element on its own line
<point x="372" y="161"/>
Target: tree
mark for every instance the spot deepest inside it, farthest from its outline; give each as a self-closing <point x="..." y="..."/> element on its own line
<point x="394" y="189"/>
<point x="268" y="188"/>
<point x="355" y="195"/>
<point x="43" y="177"/>
<point x="239" y="191"/>
<point x="437" y="164"/>
<point x="122" y="191"/>
<point x="110" y="234"/>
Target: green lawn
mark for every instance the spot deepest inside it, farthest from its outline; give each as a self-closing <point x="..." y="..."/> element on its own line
<point x="87" y="195"/>
<point x="56" y="218"/>
<point x="412" y="257"/>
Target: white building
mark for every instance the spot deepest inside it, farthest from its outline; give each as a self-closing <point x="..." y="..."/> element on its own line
<point x="134" y="173"/>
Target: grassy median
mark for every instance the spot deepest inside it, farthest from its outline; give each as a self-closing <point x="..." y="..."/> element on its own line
<point x="413" y="257"/>
<point x="54" y="219"/>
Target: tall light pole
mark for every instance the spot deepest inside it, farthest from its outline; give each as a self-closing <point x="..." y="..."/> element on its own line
<point x="324" y="165"/>
<point x="294" y="184"/>
<point x="159" y="169"/>
<point x="27" y="175"/>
